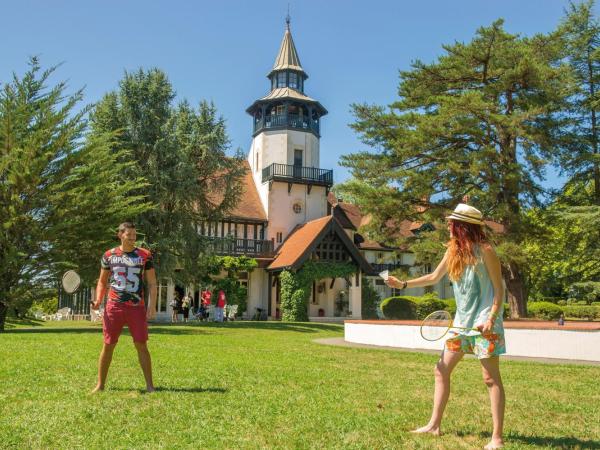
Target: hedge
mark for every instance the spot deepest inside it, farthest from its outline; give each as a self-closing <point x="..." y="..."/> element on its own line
<point x="544" y="310"/>
<point x="582" y="312"/>
<point x="407" y="307"/>
<point x="399" y="308"/>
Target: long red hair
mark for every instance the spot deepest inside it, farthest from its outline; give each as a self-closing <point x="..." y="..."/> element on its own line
<point x="464" y="237"/>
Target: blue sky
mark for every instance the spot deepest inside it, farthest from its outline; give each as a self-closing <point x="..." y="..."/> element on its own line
<point x="222" y="50"/>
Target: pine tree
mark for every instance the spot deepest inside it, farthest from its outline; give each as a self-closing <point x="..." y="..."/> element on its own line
<point x="61" y="191"/>
<point x="482" y="121"/>
<point x="580" y="31"/>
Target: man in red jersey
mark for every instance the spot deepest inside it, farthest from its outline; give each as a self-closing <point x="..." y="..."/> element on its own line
<point x="124" y="269"/>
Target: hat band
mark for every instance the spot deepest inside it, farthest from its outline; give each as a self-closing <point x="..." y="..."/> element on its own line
<point x="466" y="216"/>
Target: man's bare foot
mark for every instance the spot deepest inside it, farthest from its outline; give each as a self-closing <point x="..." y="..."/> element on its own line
<point x="150" y="389"/>
<point x="494" y="443"/>
<point x="428" y="429"/>
<point x="98" y="388"/>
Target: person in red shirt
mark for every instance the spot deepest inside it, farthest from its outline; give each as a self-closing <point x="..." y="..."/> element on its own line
<point x="221" y="302"/>
<point x="206" y="295"/>
<point x="123" y="270"/>
<point x="205" y="303"/>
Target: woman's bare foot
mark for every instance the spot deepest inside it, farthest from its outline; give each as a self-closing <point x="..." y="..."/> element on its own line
<point x="494" y="443"/>
<point x="150" y="389"/>
<point x="98" y="388"/>
<point x="428" y="429"/>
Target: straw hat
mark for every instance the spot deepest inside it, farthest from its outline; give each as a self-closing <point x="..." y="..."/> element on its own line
<point x="466" y="213"/>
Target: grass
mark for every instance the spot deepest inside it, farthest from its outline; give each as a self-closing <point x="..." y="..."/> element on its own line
<point x="268" y="385"/>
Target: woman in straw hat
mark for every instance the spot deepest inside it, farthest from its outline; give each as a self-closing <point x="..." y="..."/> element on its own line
<point x="474" y="269"/>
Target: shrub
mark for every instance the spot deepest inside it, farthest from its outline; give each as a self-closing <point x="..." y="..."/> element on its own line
<point x="450" y="305"/>
<point x="370" y="300"/>
<point x="545" y="310"/>
<point x="562" y="302"/>
<point x="581" y="302"/>
<point x="582" y="312"/>
<point x="595" y="303"/>
<point x="428" y="304"/>
<point x="47" y="306"/>
<point x="399" y="308"/>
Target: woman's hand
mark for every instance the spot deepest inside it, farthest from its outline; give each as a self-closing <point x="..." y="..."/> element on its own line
<point x="487" y="327"/>
<point x="392" y="281"/>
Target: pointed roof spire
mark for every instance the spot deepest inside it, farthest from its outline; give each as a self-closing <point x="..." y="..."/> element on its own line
<point x="287" y="58"/>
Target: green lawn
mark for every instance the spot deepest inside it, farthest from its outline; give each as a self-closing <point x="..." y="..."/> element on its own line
<point x="268" y="385"/>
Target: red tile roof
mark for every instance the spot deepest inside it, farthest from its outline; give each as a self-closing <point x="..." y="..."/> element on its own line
<point x="297" y="242"/>
<point x="249" y="206"/>
<point x="405" y="229"/>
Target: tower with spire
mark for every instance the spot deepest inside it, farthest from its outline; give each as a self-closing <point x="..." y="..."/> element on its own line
<point x="285" y="154"/>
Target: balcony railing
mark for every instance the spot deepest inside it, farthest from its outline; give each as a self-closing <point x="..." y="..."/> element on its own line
<point x="298" y="174"/>
<point x="286" y="120"/>
<point x="240" y="246"/>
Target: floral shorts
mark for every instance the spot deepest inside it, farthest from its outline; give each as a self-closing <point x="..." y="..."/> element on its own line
<point x="482" y="346"/>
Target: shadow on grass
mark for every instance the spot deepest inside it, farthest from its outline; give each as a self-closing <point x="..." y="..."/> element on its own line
<point x="191" y="390"/>
<point x="97" y="329"/>
<point x="194" y="327"/>
<point x="566" y="442"/>
<point x="12" y="322"/>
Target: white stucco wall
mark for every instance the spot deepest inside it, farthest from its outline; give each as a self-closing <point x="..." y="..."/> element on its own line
<point x="257" y="291"/>
<point x="280" y="213"/>
<point x="574" y="345"/>
<point x="277" y="146"/>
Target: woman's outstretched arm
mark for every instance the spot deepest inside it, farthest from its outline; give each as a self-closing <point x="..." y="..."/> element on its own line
<point x="425" y="280"/>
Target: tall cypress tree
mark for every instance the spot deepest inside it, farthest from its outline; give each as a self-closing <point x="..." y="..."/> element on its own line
<point x="60" y="190"/>
<point x="182" y="153"/>
<point x="482" y="120"/>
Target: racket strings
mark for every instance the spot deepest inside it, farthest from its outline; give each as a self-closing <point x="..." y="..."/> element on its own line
<point x="71" y="281"/>
<point x="436" y="325"/>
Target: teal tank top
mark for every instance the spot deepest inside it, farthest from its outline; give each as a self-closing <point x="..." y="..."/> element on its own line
<point x="474" y="295"/>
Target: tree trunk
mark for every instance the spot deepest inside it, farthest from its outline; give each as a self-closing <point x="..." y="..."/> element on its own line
<point x="3" y="311"/>
<point x="515" y="290"/>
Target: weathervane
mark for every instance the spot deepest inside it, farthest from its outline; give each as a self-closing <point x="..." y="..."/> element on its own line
<point x="288" y="18"/>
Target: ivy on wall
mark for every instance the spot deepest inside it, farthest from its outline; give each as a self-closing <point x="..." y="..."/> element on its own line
<point x="296" y="286"/>
<point x="233" y="265"/>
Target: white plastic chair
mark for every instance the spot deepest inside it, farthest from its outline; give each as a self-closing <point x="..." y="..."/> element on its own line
<point x="63" y="314"/>
<point x="211" y="312"/>
<point x="96" y="314"/>
<point x="231" y="311"/>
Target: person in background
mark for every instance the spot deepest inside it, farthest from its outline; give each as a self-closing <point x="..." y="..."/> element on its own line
<point x="221" y="302"/>
<point x="186" y="303"/>
<point x="206" y="297"/>
<point x="174" y="307"/>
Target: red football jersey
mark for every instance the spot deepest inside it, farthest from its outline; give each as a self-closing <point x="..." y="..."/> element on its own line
<point x="127" y="273"/>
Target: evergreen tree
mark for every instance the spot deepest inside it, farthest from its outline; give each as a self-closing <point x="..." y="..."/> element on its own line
<point x="563" y="247"/>
<point x="580" y="31"/>
<point x="61" y="193"/>
<point x="182" y="154"/>
<point x="566" y="244"/>
<point x="483" y="121"/>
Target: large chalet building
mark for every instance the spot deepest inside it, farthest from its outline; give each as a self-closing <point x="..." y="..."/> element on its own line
<point x="287" y="214"/>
